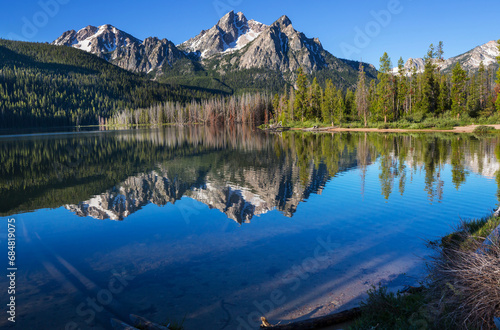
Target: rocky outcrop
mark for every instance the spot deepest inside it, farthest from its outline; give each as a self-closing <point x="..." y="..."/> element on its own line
<point x="470" y="61"/>
<point x="232" y="32"/>
<point x="122" y="49"/>
<point x="233" y="44"/>
<point x="282" y="48"/>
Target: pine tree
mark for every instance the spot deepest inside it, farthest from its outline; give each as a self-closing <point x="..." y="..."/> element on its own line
<point x="315" y="96"/>
<point x="444" y="97"/>
<point x="412" y="92"/>
<point x="473" y="96"/>
<point x="458" y="90"/>
<point x="482" y="85"/>
<point x="385" y="100"/>
<point x="339" y="106"/>
<point x="301" y="103"/>
<point x="350" y="105"/>
<point x="362" y="95"/>
<point x="430" y="87"/>
<point x="328" y="102"/>
<point x="291" y="105"/>
<point x="401" y="89"/>
<point x="440" y="51"/>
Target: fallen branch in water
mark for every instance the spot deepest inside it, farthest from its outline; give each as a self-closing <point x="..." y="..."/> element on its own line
<point x="318" y="322"/>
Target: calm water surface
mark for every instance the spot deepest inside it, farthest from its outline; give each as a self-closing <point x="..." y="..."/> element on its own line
<point x="219" y="227"/>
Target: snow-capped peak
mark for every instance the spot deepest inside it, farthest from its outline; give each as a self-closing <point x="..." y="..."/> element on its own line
<point x="103" y="39"/>
<point x="231" y="33"/>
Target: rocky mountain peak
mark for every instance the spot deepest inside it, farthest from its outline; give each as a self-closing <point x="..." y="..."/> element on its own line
<point x="283" y="21"/>
<point x="281" y="48"/>
<point x="86" y="32"/>
<point x="241" y="17"/>
<point x="121" y="48"/>
<point x="232" y="32"/>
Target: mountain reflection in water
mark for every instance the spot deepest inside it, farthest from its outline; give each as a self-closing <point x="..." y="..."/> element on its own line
<point x="241" y="172"/>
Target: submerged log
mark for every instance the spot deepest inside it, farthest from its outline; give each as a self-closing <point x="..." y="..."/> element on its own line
<point x="138" y="323"/>
<point x="318" y="322"/>
<point x="277" y="129"/>
<point x="142" y="323"/>
<point x="119" y="325"/>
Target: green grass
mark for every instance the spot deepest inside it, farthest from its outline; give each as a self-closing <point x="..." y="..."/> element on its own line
<point x="442" y="122"/>
<point x="464" y="237"/>
<point x="388" y="310"/>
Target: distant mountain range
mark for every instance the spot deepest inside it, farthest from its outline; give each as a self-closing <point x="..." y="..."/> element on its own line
<point x="234" y="52"/>
<point x="470" y="60"/>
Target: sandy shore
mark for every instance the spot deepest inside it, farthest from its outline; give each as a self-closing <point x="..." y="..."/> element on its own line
<point x="458" y="129"/>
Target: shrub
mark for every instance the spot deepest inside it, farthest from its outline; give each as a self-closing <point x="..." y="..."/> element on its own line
<point x="465" y="280"/>
<point x="384" y="126"/>
<point x="483" y="129"/>
<point x="388" y="310"/>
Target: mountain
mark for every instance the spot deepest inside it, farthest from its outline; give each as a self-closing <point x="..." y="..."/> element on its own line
<point x="122" y="49"/>
<point x="232" y="32"/>
<point x="236" y="46"/>
<point x="279" y="47"/>
<point x="470" y="60"/>
<point x="236" y="54"/>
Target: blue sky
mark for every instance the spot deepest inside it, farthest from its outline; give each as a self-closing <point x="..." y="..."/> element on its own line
<point x="348" y="29"/>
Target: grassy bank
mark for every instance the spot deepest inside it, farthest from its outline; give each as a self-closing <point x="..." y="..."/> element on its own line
<point x="462" y="290"/>
<point x="444" y="122"/>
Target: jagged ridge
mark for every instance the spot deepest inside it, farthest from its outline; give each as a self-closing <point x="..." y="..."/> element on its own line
<point x="470" y="60"/>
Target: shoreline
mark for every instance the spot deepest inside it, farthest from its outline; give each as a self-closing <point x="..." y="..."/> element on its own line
<point x="457" y="129"/>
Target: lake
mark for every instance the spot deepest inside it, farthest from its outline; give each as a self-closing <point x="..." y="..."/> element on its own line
<point x="217" y="227"/>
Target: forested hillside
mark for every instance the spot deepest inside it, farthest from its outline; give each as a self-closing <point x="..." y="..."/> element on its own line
<point x="45" y="85"/>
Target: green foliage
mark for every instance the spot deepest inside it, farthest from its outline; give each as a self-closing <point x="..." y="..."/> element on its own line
<point x="481" y="227"/>
<point x="430" y="89"/>
<point x="385" y="90"/>
<point x="301" y="104"/>
<point x="45" y="85"/>
<point x="483" y="129"/>
<point x="388" y="310"/>
<point x="458" y="91"/>
<point x="362" y="102"/>
<point x="417" y="100"/>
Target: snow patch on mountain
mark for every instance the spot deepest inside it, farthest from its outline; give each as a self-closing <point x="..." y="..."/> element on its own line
<point x="245" y="36"/>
